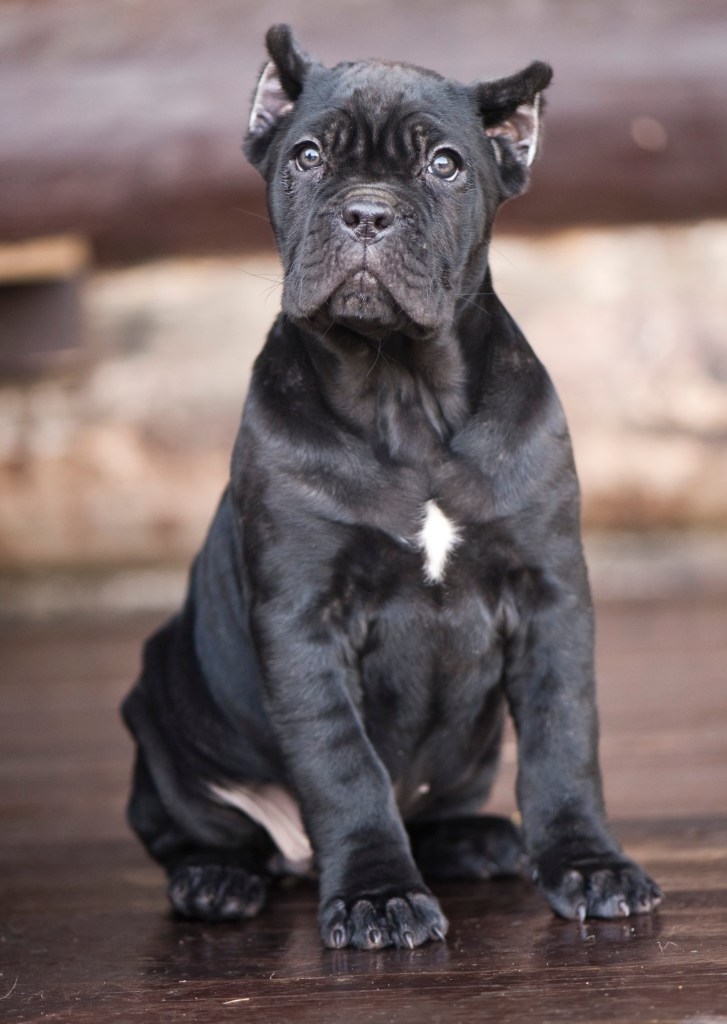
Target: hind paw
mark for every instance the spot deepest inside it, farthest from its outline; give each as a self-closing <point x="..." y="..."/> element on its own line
<point x="212" y="892"/>
<point x="471" y="848"/>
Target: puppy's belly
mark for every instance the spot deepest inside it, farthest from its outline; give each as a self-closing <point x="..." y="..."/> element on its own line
<point x="274" y="808"/>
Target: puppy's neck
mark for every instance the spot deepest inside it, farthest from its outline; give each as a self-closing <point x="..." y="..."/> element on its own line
<point x="403" y="392"/>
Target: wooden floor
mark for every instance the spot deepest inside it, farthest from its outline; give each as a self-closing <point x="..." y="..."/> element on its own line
<point x="85" y="935"/>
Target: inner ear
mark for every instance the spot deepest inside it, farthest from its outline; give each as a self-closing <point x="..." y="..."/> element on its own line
<point x="271" y="102"/>
<point x="510" y="109"/>
<point x="521" y="129"/>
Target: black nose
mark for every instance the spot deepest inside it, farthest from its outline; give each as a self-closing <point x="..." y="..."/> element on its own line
<point x="367" y="217"/>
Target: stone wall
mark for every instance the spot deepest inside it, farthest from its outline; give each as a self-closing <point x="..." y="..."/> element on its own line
<point x="118" y="456"/>
<point x="632" y="325"/>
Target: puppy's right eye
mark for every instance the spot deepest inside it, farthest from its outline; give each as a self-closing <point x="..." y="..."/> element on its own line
<point x="308" y="157"/>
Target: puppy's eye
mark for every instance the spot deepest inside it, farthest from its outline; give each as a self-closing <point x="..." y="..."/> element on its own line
<point x="445" y="164"/>
<point x="308" y="156"/>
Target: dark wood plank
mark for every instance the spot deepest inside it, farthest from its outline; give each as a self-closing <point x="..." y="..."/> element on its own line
<point x="85" y="934"/>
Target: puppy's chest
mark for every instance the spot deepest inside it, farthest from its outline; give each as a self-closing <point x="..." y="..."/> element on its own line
<point x="434" y="557"/>
<point x="442" y="529"/>
<point x="434" y="513"/>
<point x="429" y="541"/>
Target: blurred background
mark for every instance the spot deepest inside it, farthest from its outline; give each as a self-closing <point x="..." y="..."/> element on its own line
<point x="138" y="277"/>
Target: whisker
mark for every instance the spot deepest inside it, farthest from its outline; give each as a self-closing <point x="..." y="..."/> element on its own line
<point x="472" y="302"/>
<point x="273" y="279"/>
<point x="250" y="213"/>
<point x="502" y="256"/>
<point x="378" y="355"/>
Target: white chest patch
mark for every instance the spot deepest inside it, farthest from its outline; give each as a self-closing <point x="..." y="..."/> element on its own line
<point x="437" y="538"/>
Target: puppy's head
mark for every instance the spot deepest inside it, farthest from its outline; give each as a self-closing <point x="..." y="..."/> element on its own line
<point x="383" y="181"/>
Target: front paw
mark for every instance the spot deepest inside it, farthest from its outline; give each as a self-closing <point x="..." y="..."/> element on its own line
<point x="374" y="921"/>
<point x="599" y="885"/>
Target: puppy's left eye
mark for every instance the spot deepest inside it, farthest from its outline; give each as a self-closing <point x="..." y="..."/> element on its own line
<point x="445" y="164"/>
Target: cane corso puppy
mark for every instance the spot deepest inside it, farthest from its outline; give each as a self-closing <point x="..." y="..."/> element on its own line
<point x="397" y="558"/>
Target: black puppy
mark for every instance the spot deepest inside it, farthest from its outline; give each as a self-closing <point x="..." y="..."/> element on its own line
<point x="397" y="557"/>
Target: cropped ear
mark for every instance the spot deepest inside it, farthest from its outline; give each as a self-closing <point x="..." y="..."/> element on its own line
<point x="511" y="110"/>
<point x="280" y="85"/>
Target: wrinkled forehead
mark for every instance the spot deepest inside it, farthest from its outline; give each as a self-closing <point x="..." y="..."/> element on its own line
<point x="378" y="95"/>
<point x="391" y="78"/>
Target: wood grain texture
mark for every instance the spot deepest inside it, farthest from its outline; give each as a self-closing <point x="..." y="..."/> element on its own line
<point x="85" y="934"/>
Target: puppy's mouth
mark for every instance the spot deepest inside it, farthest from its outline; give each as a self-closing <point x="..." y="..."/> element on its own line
<point x="364" y="290"/>
<point x="362" y="304"/>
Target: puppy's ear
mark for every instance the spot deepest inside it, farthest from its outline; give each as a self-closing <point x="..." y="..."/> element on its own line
<point x="280" y="85"/>
<point x="511" y="110"/>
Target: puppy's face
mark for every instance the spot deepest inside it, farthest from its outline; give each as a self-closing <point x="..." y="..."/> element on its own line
<point x="383" y="180"/>
<point x="380" y="201"/>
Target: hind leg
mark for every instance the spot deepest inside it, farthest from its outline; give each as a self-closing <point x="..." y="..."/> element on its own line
<point x="472" y="847"/>
<point x="215" y="858"/>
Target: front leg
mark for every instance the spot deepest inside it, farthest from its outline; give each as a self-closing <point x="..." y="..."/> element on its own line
<point x="550" y="686"/>
<point x="371" y="892"/>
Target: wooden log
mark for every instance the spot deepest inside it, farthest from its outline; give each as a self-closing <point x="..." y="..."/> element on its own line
<point x="40" y="302"/>
<point x="125" y="118"/>
<point x="42" y="259"/>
